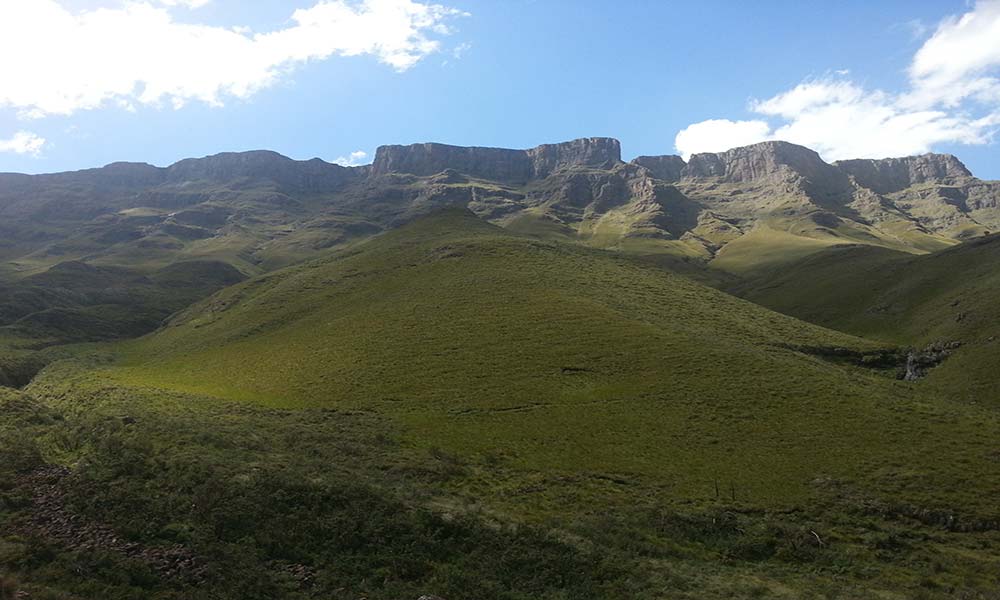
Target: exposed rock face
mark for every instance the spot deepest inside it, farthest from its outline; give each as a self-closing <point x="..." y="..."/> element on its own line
<point x="919" y="362"/>
<point x="668" y="167"/>
<point x="585" y="152"/>
<point x="429" y="159"/>
<point x="766" y="160"/>
<point x="496" y="163"/>
<point x="983" y="195"/>
<point x="889" y="175"/>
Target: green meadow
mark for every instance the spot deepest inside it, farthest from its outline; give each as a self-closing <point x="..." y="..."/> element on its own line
<point x="451" y="408"/>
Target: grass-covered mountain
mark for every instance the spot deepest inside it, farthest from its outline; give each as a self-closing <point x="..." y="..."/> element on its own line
<point x="479" y="341"/>
<point x="456" y="409"/>
<point x="74" y="301"/>
<point x="488" y="373"/>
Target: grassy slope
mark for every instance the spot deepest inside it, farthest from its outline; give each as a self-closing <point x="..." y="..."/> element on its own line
<point x="775" y="243"/>
<point x="452" y="365"/>
<point x="899" y="298"/>
<point x="563" y="360"/>
<point x="73" y="301"/>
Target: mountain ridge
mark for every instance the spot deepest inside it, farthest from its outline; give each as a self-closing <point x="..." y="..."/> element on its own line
<point x="580" y="152"/>
<point x="739" y="209"/>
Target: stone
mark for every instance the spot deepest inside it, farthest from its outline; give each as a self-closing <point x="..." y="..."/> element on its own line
<point x="766" y="160"/>
<point x="889" y="175"/>
<point x="500" y="164"/>
<point x="668" y="167"/>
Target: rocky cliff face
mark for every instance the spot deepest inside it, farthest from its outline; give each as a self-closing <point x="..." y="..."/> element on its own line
<point x="889" y="175"/>
<point x="766" y="160"/>
<point x="585" y="152"/>
<point x="429" y="159"/>
<point x="496" y="163"/>
<point x="667" y="168"/>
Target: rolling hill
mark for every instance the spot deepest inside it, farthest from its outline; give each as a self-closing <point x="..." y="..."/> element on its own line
<point x="556" y="386"/>
<point x="944" y="298"/>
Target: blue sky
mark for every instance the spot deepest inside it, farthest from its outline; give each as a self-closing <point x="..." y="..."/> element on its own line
<point x="850" y="79"/>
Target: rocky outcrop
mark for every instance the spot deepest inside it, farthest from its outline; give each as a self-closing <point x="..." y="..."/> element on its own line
<point x="668" y="167"/>
<point x="766" y="160"/>
<point x="585" y="152"/>
<point x="774" y="169"/>
<point x="430" y="159"/>
<point x="889" y="175"/>
<point x="500" y="164"/>
<point x="982" y="195"/>
<point x="919" y="362"/>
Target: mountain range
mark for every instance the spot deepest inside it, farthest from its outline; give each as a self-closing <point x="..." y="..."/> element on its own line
<point x="260" y="210"/>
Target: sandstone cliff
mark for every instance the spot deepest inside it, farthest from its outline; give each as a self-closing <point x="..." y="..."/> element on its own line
<point x="889" y="175"/>
<point x="668" y="167"/>
<point x="499" y="164"/>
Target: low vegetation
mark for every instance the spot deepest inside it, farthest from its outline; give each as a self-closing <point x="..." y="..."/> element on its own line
<point x="451" y="409"/>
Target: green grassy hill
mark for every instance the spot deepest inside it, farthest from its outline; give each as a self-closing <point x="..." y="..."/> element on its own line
<point x="480" y="341"/>
<point x="947" y="296"/>
<point x="77" y="302"/>
<point x="449" y="407"/>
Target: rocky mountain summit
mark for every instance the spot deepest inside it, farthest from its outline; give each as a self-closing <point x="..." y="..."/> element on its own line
<point x="890" y="175"/>
<point x="260" y="210"/>
<point x="511" y="166"/>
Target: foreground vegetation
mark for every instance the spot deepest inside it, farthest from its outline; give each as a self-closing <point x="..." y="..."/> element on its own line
<point x="454" y="410"/>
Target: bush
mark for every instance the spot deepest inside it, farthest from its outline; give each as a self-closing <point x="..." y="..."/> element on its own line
<point x="19" y="453"/>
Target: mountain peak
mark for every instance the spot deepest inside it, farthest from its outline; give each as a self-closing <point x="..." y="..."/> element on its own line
<point x="888" y="175"/>
<point x="259" y="164"/>
<point x="496" y="163"/>
<point x="588" y="152"/>
<point x="758" y="161"/>
<point x="667" y="167"/>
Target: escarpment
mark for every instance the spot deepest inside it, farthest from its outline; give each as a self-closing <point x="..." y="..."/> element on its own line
<point x="516" y="166"/>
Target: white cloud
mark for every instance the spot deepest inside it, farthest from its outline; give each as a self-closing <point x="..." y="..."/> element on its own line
<point x="352" y="160"/>
<point x="138" y="53"/>
<point x="960" y="60"/>
<point x="185" y="3"/>
<point x="718" y="135"/>
<point x="953" y="97"/>
<point x="23" y="142"/>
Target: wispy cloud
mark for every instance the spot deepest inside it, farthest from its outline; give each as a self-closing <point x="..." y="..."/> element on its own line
<point x="185" y="3"/>
<point x="953" y="96"/>
<point x="23" y="142"/>
<point x="915" y="27"/>
<point x="354" y="159"/>
<point x="139" y="54"/>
